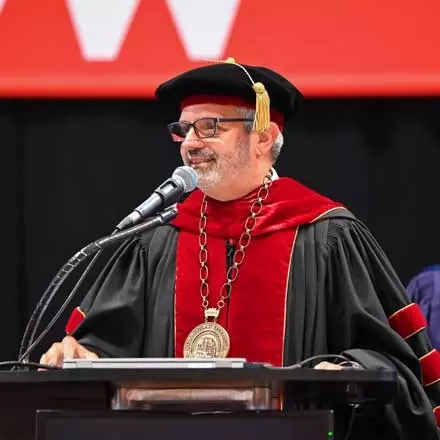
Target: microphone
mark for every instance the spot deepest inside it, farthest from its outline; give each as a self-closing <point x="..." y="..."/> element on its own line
<point x="183" y="180"/>
<point x="28" y="343"/>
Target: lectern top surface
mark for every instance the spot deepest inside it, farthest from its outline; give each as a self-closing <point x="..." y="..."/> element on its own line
<point x="154" y="363"/>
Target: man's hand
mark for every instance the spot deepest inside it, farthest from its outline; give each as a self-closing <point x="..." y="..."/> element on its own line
<point x="68" y="348"/>
<point x="328" y="366"/>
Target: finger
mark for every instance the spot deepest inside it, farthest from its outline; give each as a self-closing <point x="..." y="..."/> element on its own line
<point x="70" y="348"/>
<point x="84" y="353"/>
<point x="51" y="357"/>
<point x="43" y="361"/>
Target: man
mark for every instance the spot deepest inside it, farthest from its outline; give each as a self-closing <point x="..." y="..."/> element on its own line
<point x="254" y="265"/>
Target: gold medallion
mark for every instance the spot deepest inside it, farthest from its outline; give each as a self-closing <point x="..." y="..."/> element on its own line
<point x="207" y="340"/>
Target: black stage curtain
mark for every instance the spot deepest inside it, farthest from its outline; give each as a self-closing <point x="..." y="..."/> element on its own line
<point x="71" y="169"/>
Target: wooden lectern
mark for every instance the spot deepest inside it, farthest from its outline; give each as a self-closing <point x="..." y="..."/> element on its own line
<point x="195" y="403"/>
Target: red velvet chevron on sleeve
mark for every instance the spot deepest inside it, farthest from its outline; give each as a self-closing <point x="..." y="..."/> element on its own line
<point x="75" y="319"/>
<point x="430" y="363"/>
<point x="437" y="414"/>
<point x="408" y="321"/>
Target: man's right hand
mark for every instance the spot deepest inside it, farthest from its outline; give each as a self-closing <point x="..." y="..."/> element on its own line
<point x="68" y="348"/>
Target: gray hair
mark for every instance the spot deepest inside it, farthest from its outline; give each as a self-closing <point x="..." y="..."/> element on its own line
<point x="247" y="113"/>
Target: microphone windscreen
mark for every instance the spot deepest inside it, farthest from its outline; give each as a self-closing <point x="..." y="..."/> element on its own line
<point x="187" y="176"/>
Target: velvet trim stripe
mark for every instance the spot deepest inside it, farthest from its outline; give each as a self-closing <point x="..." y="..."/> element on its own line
<point x="437" y="414"/>
<point x="76" y="317"/>
<point x="408" y="321"/>
<point x="430" y="364"/>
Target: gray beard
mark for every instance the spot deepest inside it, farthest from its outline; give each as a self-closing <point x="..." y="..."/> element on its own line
<point x="208" y="179"/>
<point x="225" y="168"/>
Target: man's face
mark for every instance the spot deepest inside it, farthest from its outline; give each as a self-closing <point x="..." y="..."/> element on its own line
<point x="221" y="159"/>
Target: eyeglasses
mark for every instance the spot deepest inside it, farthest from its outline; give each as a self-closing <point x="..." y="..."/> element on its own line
<point x="203" y="128"/>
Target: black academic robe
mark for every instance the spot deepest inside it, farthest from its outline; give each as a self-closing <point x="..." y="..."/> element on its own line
<point x="341" y="291"/>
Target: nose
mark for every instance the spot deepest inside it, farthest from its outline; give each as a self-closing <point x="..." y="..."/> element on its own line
<point x="192" y="141"/>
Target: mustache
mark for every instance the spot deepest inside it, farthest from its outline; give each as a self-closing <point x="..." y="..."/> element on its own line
<point x="200" y="154"/>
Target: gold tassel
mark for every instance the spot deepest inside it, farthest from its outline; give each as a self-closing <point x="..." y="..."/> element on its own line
<point x="262" y="104"/>
<point x="262" y="108"/>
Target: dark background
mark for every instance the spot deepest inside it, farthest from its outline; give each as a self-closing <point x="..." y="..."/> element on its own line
<point x="71" y="169"/>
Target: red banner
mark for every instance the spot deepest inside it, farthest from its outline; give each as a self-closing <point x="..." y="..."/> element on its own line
<point x="127" y="47"/>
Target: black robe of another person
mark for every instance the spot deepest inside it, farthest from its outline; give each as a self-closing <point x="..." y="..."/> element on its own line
<point x="341" y="292"/>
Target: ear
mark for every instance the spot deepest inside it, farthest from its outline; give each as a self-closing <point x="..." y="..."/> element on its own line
<point x="266" y="139"/>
